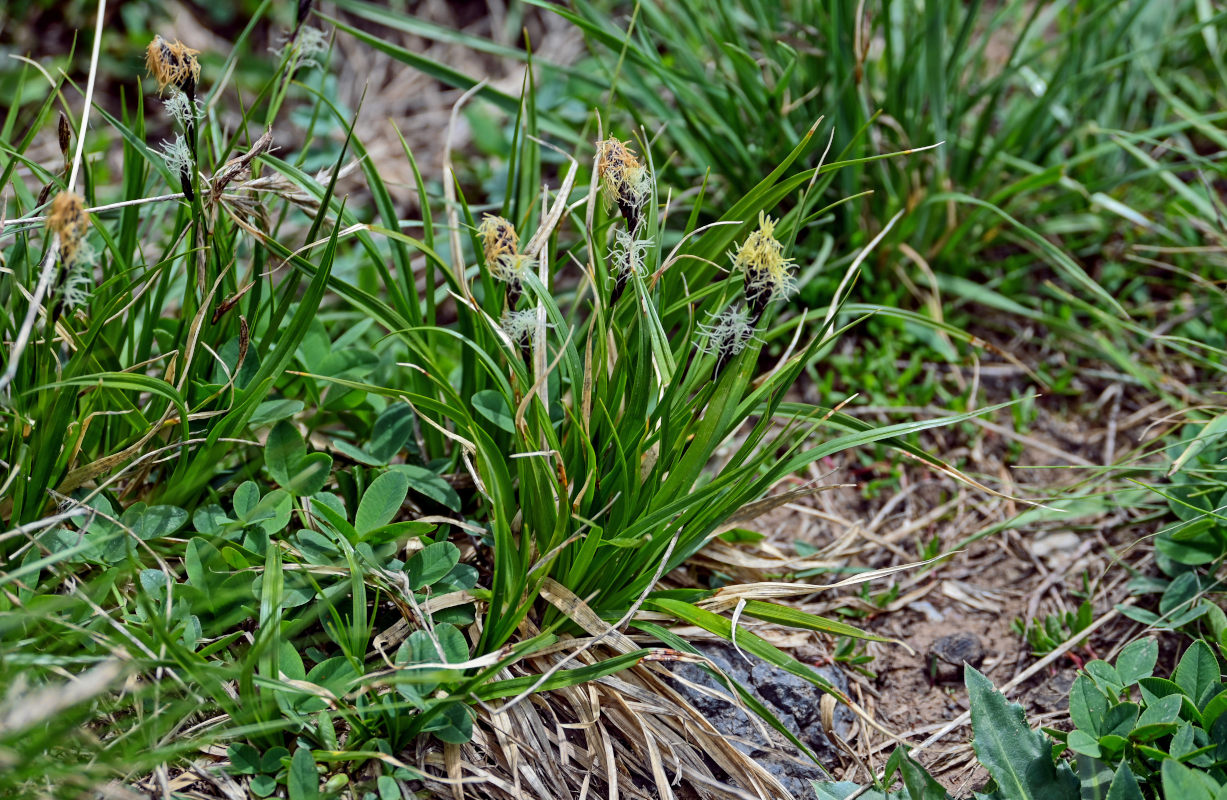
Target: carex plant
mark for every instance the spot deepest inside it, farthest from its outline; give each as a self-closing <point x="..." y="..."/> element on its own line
<point x="296" y="479"/>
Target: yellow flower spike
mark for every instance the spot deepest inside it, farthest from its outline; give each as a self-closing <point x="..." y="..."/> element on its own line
<point x="498" y="238"/>
<point x="768" y="273"/>
<point x="172" y="63"/>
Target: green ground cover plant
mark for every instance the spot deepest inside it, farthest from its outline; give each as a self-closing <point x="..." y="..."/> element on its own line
<point x="1135" y="735"/>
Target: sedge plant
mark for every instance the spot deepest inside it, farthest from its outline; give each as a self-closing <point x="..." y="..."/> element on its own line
<point x="292" y="482"/>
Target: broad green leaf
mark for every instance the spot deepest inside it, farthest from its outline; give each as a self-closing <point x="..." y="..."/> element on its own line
<point x="1179" y="594"/>
<point x="263" y="785"/>
<point x="388" y="788"/>
<point x="454" y="724"/>
<point x="274" y="759"/>
<point x="393" y="429"/>
<point x="274" y="411"/>
<point x="1198" y="670"/>
<point x="1159" y="719"/>
<point x="1137" y="660"/>
<point x="431" y="563"/>
<point x="1214" y="709"/>
<point x="310" y="475"/>
<point x="920" y="785"/>
<point x="302" y="781"/>
<point x="1119" y="720"/>
<point x="1182" y="783"/>
<point x="1124" y="784"/>
<point x="1094" y="775"/>
<point x="451" y="640"/>
<point x="1087" y="705"/>
<point x="380" y="502"/>
<point x="397" y="530"/>
<point x="246" y="495"/>
<point x="1018" y="758"/>
<point x="1192" y="553"/>
<point x="244" y="759"/>
<point x="283" y="449"/>
<point x="1083" y="743"/>
<point x="151" y="522"/>
<point x="423" y="481"/>
<point x="841" y="790"/>
<point x="1105" y="675"/>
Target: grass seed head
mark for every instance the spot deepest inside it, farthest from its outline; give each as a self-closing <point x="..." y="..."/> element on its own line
<point x="172" y="64"/>
<point x="305" y="45"/>
<point x="767" y="272"/>
<point x="68" y="220"/>
<point x="625" y="181"/>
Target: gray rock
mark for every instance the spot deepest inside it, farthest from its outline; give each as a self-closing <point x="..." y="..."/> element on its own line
<point x="794" y="701"/>
<point x="947" y="655"/>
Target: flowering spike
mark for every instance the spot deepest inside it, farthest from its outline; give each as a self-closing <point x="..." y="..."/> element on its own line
<point x="178" y="158"/>
<point x="625" y="180"/>
<point x="498" y="237"/>
<point x="726" y="334"/>
<point x="68" y="220"/>
<point x="500" y="244"/>
<point x="305" y="45"/>
<point x="173" y="63"/>
<point x="519" y="327"/>
<point x="183" y="110"/>
<point x="626" y="258"/>
<point x="767" y="272"/>
<point x="65" y="134"/>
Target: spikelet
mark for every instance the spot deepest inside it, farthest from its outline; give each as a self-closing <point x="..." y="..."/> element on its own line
<point x="184" y="111"/>
<point x="726" y="334"/>
<point x="519" y="326"/>
<point x="625" y="181"/>
<point x="767" y="272"/>
<point x="625" y="259"/>
<point x="498" y="238"/>
<point x="68" y="220"/>
<point x="501" y="246"/>
<point x="173" y="64"/>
